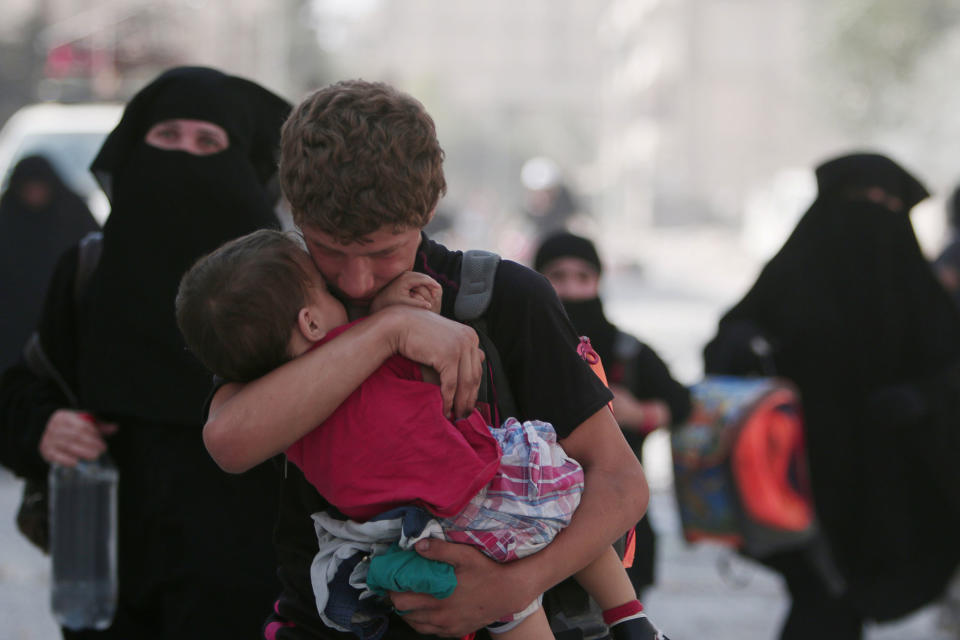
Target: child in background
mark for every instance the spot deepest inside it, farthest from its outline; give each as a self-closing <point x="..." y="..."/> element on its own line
<point x="258" y="302"/>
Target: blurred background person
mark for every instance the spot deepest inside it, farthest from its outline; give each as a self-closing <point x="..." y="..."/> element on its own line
<point x="947" y="264"/>
<point x="40" y="217"/>
<point x="186" y="169"/>
<point x="548" y="202"/>
<point x="646" y="397"/>
<point x="852" y="314"/>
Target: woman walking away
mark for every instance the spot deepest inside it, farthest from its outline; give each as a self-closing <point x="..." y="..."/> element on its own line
<point x="855" y="318"/>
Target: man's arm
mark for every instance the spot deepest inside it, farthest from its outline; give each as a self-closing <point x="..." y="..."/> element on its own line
<point x="615" y="497"/>
<point x="250" y="423"/>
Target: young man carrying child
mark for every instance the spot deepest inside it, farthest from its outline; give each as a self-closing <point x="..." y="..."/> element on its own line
<point x="258" y="302"/>
<point x="362" y="169"/>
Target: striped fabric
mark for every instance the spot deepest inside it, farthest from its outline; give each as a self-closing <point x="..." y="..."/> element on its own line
<point x="531" y="497"/>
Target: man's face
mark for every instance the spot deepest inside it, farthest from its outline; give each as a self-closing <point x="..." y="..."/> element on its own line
<point x="358" y="270"/>
<point x="574" y="279"/>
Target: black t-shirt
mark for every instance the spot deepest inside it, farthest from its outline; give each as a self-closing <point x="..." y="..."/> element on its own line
<point x="549" y="381"/>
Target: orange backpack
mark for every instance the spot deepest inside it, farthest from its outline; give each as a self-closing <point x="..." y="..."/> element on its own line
<point x="740" y="471"/>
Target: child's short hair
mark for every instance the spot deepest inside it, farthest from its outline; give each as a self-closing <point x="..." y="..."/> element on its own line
<point x="355" y="156"/>
<point x="237" y="306"/>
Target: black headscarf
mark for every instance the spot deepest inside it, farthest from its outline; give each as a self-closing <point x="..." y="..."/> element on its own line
<point x="857" y="320"/>
<point x="865" y="170"/>
<point x="564" y="244"/>
<point x="168" y="209"/>
<point x="32" y="237"/>
<point x="586" y="315"/>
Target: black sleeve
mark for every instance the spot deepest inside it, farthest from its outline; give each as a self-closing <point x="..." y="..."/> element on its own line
<point x="538" y="346"/>
<point x="652" y="380"/>
<point x="26" y="399"/>
<point x="734" y="350"/>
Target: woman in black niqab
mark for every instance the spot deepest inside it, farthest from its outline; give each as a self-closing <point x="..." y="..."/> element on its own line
<point x="168" y="209"/>
<point x="40" y="217"/>
<point x="856" y="319"/>
<point x="195" y="555"/>
<point x="646" y="396"/>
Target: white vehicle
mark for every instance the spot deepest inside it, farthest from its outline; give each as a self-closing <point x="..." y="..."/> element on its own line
<point x="69" y="135"/>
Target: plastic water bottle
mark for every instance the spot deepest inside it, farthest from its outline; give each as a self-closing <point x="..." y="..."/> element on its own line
<point x="83" y="543"/>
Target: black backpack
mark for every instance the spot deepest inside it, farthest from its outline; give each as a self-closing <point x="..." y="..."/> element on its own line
<point x="571" y="612"/>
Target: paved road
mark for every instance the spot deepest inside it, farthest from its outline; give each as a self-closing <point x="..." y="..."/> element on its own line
<point x="24" y="575"/>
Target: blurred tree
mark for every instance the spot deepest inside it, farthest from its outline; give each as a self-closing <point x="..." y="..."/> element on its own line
<point x="21" y="65"/>
<point x="308" y="63"/>
<point x="869" y="52"/>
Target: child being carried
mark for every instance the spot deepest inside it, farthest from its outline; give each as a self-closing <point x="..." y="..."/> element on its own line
<point x="387" y="458"/>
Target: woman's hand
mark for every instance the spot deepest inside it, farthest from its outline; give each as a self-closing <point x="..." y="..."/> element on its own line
<point x="642" y="416"/>
<point x="71" y="436"/>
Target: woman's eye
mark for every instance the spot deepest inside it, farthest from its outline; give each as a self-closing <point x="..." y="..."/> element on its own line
<point x="211" y="143"/>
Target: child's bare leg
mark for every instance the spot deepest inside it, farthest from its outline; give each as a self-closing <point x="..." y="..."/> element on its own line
<point x="533" y="627"/>
<point x="606" y="581"/>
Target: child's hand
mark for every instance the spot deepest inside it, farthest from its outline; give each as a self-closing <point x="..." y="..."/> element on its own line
<point x="410" y="288"/>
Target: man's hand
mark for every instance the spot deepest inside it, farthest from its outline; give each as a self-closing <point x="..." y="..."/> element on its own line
<point x="449" y="347"/>
<point x="412" y="289"/>
<point x="486" y="591"/>
<point x="71" y="436"/>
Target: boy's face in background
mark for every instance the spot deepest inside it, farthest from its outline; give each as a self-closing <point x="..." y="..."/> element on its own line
<point x="357" y="271"/>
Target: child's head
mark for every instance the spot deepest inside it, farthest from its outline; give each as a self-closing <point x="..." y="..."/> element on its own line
<point x="356" y="157"/>
<point x="253" y="304"/>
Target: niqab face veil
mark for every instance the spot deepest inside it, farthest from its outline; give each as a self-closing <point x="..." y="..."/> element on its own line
<point x="864" y="170"/>
<point x="168" y="209"/>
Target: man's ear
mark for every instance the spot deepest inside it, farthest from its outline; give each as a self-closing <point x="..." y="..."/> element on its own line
<point x="309" y="326"/>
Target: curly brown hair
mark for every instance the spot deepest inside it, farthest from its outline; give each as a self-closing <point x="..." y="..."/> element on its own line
<point x="356" y="156"/>
<point x="236" y="307"/>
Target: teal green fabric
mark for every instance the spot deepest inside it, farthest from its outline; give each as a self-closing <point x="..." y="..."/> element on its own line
<point x="399" y="570"/>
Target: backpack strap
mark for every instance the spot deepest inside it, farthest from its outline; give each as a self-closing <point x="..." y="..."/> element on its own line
<point x="478" y="270"/>
<point x="626" y="349"/>
<point x="34" y="355"/>
<point x="625" y="346"/>
<point x="91" y="246"/>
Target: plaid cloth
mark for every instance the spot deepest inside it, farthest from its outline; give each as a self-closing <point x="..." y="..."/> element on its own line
<point x="531" y="497"/>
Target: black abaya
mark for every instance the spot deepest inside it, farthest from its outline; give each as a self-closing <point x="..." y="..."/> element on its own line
<point x="33" y="234"/>
<point x="195" y="556"/>
<point x="857" y="320"/>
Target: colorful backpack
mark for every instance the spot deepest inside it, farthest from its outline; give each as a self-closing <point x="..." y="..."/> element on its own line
<point x="740" y="471"/>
